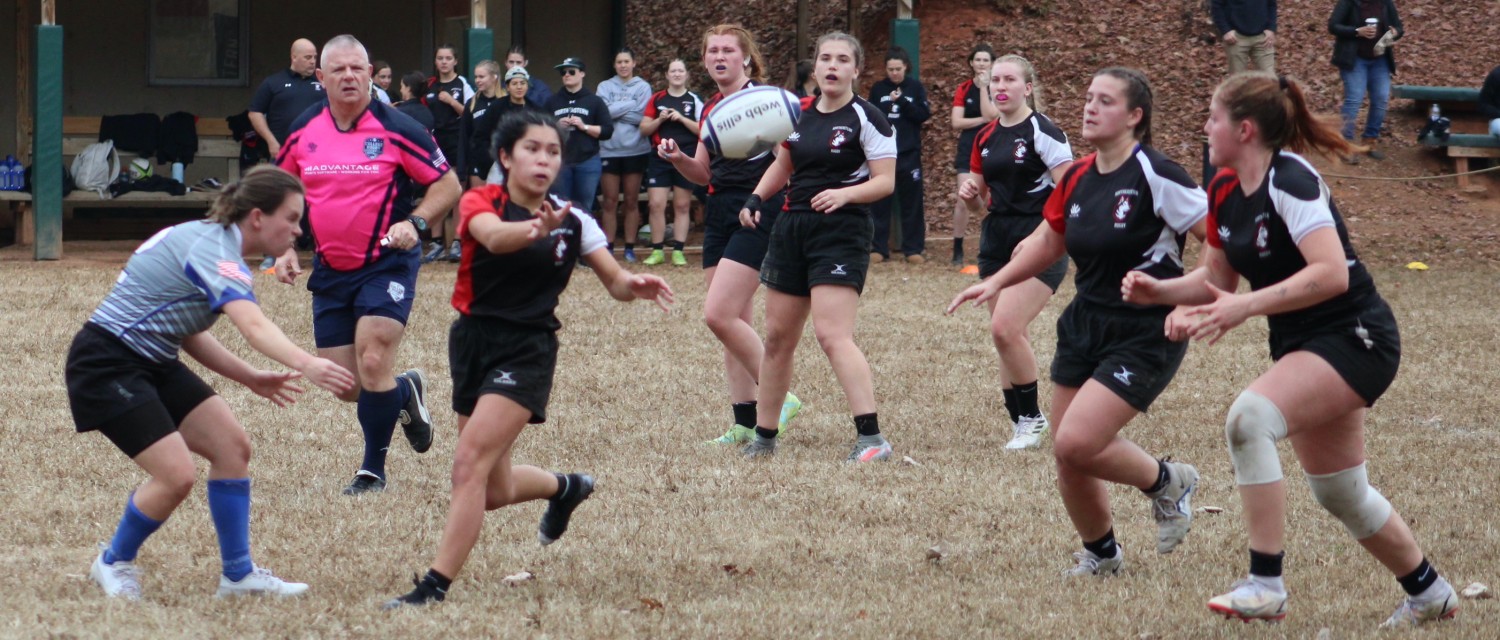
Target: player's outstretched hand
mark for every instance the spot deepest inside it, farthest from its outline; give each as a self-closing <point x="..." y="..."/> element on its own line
<point x="1213" y="320"/>
<point x="288" y="268"/>
<point x="979" y="293"/>
<point x="275" y="386"/>
<point x="649" y="287"/>
<point x="547" y="219"/>
<point x="329" y="375"/>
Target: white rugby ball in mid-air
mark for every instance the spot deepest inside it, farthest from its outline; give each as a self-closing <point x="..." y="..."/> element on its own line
<point x="750" y="122"/>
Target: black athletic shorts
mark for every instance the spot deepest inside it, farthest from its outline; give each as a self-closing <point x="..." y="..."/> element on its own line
<point x="451" y="144"/>
<point x="131" y="400"/>
<point x="625" y="164"/>
<point x="965" y="151"/>
<point x="660" y="174"/>
<point x="809" y="249"/>
<point x="1128" y="352"/>
<point x="1366" y="360"/>
<point x="998" y="237"/>
<point x="725" y="239"/>
<point x="489" y="356"/>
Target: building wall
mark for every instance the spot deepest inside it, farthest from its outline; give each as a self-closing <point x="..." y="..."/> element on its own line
<point x="558" y="30"/>
<point x="112" y="78"/>
<point x="8" y="78"/>
<point x="106" y="50"/>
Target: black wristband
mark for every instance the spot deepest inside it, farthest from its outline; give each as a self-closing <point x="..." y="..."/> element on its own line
<point x="753" y="202"/>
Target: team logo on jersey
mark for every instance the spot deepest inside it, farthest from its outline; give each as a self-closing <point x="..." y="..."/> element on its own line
<point x="1020" y="151"/>
<point x="559" y="249"/>
<point x="397" y="291"/>
<point x="373" y="147"/>
<point x="1123" y="204"/>
<point x="506" y="379"/>
<point x="1124" y="375"/>
<point x="796" y="135"/>
<point x="839" y="139"/>
<point x="1074" y="210"/>
<point x="1223" y="233"/>
<point x="1262" y="235"/>
<point x="312" y="147"/>
<point x="838" y="270"/>
<point x="985" y="153"/>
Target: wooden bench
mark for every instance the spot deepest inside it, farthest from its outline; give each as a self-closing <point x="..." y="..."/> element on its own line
<point x="1469" y="135"/>
<point x="218" y="156"/>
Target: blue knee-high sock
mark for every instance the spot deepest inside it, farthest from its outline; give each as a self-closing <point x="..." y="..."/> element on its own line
<point x="378" y="411"/>
<point x="229" y="504"/>
<point x="134" y="528"/>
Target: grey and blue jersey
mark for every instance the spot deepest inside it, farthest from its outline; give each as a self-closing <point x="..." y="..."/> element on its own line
<point x="174" y="286"/>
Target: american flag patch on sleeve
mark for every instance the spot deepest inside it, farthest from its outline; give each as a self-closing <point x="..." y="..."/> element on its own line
<point x="234" y="271"/>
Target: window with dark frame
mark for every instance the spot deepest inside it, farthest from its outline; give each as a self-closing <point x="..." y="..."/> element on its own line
<point x="199" y="43"/>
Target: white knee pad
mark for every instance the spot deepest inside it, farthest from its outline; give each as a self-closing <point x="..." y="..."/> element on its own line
<point x="1349" y="497"/>
<point x="1252" y="429"/>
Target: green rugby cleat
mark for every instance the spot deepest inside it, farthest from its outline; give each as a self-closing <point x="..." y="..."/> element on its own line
<point x="736" y="435"/>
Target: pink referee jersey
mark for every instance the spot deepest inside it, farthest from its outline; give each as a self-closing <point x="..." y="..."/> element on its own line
<point x="359" y="182"/>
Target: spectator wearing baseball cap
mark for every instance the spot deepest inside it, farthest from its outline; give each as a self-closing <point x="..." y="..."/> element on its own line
<point x="516" y="88"/>
<point x="539" y="92"/>
<point x="587" y="117"/>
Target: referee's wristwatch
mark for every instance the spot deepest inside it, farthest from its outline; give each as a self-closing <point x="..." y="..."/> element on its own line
<point x="418" y="222"/>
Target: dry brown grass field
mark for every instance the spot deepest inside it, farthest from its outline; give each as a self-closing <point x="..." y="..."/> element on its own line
<point x="682" y="540"/>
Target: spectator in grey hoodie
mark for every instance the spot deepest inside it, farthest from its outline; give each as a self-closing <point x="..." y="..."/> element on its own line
<point x="1248" y="28"/>
<point x="625" y="154"/>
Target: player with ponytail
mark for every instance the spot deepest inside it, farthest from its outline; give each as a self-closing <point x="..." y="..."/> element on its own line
<point x="1333" y="341"/>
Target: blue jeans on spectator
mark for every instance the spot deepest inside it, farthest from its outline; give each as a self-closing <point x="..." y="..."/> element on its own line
<point x="1372" y="76"/>
<point x="579" y="182"/>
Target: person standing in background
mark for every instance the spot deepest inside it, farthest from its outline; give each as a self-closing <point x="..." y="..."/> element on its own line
<point x="1248" y="29"/>
<point x="382" y="82"/>
<point x="1489" y="100"/>
<point x="285" y="95"/>
<point x="586" y="118"/>
<point x="672" y="113"/>
<point x="625" y="154"/>
<point x="973" y="107"/>
<point x="903" y="100"/>
<point x="537" y="92"/>
<point x="1357" y="26"/>
<point x="480" y="121"/>
<point x="279" y="100"/>
<point x="447" y="93"/>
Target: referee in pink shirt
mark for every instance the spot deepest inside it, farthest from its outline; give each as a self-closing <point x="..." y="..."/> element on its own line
<point x="361" y="161"/>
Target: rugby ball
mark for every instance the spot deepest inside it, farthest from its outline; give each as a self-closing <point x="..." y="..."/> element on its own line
<point x="750" y="122"/>
<point x="140" y="169"/>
